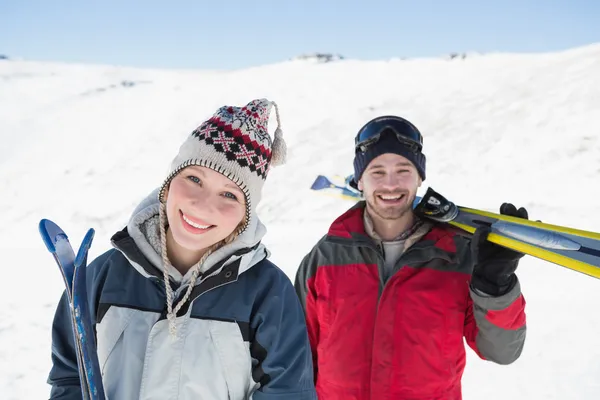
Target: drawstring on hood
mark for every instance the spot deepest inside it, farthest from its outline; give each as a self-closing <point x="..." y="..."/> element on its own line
<point x="195" y="270"/>
<point x="172" y="313"/>
<point x="147" y="227"/>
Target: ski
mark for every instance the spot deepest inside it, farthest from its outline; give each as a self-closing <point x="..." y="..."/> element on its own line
<point x="571" y="248"/>
<point x="336" y="187"/>
<point x="574" y="249"/>
<point x="73" y="270"/>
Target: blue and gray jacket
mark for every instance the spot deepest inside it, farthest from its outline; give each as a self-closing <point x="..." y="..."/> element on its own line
<point x="242" y="335"/>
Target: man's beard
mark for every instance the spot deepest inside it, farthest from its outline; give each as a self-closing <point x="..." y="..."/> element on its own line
<point x="391" y="212"/>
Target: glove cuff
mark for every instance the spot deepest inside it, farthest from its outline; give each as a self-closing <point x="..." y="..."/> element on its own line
<point x="496" y="288"/>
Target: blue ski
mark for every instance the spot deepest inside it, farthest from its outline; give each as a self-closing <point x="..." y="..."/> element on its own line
<point x="338" y="189"/>
<point x="73" y="270"/>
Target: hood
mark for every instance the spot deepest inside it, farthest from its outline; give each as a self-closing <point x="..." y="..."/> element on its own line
<point x="143" y="227"/>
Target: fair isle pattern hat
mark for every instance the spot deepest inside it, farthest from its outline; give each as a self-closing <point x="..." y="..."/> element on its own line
<point x="234" y="142"/>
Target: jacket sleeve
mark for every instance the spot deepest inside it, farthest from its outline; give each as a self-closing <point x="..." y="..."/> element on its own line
<point x="279" y="346"/>
<point x="495" y="327"/>
<point x="305" y="290"/>
<point x="64" y="375"/>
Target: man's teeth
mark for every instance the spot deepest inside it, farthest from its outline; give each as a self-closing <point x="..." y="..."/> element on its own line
<point x="387" y="197"/>
<point x="195" y="225"/>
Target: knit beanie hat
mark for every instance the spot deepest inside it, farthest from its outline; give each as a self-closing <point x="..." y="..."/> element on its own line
<point x="388" y="143"/>
<point x="234" y="142"/>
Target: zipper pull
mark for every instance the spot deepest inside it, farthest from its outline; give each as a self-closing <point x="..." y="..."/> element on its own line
<point x="381" y="250"/>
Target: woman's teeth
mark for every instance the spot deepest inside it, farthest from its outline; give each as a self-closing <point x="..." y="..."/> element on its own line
<point x="195" y="225"/>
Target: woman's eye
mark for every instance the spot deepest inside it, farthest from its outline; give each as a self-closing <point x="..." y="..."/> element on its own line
<point x="194" y="179"/>
<point x="230" y="195"/>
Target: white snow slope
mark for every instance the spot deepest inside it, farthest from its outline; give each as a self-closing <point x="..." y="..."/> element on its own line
<point x="83" y="144"/>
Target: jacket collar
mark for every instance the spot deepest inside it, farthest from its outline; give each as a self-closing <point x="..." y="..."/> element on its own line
<point x="349" y="228"/>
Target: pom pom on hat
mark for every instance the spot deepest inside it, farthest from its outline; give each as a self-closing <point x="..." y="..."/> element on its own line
<point x="279" y="148"/>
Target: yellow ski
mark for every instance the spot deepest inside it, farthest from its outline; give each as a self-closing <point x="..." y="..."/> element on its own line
<point x="571" y="248"/>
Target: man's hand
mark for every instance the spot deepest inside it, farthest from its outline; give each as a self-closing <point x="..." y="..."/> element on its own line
<point x="494" y="269"/>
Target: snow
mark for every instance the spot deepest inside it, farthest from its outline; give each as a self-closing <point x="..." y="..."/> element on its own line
<point x="83" y="144"/>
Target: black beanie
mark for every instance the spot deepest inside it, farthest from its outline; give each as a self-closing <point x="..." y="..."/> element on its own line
<point x="387" y="143"/>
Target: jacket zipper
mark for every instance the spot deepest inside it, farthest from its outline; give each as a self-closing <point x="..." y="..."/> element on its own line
<point x="384" y="284"/>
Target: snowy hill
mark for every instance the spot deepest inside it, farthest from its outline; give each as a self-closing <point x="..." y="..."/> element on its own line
<point x="83" y="144"/>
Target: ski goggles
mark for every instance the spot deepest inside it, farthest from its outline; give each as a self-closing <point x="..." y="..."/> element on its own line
<point x="405" y="132"/>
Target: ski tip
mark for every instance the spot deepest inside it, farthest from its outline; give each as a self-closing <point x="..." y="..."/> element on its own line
<point x="321" y="182"/>
<point x="85" y="247"/>
<point x="50" y="233"/>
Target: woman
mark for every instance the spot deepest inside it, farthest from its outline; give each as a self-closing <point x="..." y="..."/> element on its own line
<point x="186" y="305"/>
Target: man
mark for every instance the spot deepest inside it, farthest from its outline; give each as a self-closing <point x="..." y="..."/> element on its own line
<point x="389" y="297"/>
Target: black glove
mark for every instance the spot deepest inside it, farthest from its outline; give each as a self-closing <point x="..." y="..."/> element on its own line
<point x="494" y="265"/>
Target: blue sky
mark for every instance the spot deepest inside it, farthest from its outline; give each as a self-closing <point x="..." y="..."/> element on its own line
<point x="236" y="34"/>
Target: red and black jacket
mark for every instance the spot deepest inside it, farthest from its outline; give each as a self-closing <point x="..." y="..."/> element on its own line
<point x="401" y="339"/>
